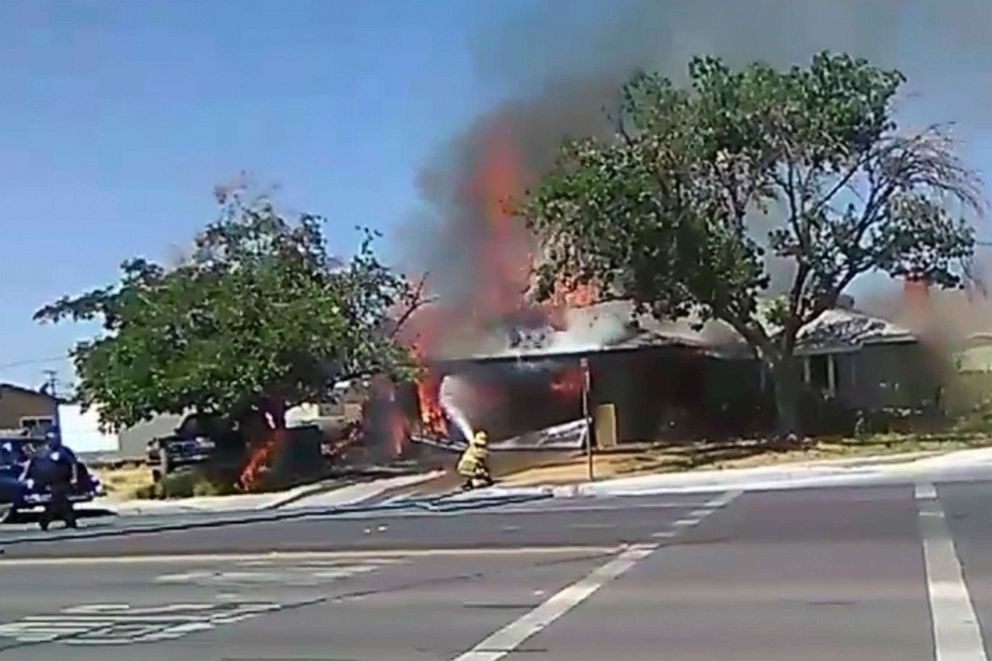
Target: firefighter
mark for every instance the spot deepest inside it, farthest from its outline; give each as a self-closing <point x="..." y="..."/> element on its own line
<point x="474" y="462"/>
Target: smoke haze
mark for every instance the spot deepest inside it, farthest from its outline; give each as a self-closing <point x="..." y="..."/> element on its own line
<point x="561" y="67"/>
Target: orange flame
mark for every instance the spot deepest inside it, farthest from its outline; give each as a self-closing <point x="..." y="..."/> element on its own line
<point x="568" y="383"/>
<point x="259" y="459"/>
<point x="505" y="262"/>
<point x="432" y="416"/>
<point x="506" y="259"/>
<point x="351" y="438"/>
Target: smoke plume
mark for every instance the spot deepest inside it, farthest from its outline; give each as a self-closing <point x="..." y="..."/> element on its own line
<point x="562" y="65"/>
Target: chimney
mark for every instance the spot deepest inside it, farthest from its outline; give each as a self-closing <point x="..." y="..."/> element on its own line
<point x="916" y="294"/>
<point x="916" y="304"/>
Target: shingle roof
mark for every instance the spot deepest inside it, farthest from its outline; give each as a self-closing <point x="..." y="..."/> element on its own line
<point x="847" y="330"/>
<point x="613" y="326"/>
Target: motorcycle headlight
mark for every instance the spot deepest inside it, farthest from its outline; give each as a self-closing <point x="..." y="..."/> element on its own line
<point x="29" y="483"/>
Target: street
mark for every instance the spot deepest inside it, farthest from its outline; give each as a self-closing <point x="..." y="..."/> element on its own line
<point x="881" y="572"/>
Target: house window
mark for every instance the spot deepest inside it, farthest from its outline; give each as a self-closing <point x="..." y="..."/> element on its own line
<point x="37" y="423"/>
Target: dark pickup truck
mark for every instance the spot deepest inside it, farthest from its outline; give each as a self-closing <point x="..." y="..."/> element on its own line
<point x="197" y="440"/>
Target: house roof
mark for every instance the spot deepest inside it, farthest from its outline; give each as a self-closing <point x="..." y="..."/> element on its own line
<point x="23" y="390"/>
<point x="614" y="326"/>
<point x="602" y="327"/>
<point x="842" y="330"/>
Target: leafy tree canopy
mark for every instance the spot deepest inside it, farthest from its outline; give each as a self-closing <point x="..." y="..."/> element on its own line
<point x="258" y="318"/>
<point x="666" y="212"/>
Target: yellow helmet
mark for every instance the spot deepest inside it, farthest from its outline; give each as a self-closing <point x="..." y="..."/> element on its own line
<point x="481" y="438"/>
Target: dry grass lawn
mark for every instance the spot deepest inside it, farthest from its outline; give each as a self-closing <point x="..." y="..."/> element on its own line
<point x="124" y="482"/>
<point x="668" y="458"/>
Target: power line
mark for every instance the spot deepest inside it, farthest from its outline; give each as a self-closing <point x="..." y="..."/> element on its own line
<point x="34" y="361"/>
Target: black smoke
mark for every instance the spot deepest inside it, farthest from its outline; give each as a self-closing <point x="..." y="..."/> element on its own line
<point x="562" y="65"/>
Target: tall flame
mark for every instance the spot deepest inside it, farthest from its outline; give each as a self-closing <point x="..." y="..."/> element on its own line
<point x="259" y="459"/>
<point x="432" y="416"/>
<point x="504" y="260"/>
<point x="507" y="248"/>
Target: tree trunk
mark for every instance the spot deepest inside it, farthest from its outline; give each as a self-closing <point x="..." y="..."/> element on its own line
<point x="787" y="390"/>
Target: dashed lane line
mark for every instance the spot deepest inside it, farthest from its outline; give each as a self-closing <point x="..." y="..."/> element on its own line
<point x="957" y="634"/>
<point x="724" y="499"/>
<point x="506" y="640"/>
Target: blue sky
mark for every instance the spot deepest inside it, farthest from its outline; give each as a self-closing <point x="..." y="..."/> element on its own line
<point x="118" y="118"/>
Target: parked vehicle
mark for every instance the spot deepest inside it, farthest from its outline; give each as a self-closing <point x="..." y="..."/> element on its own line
<point x="197" y="440"/>
<point x="20" y="493"/>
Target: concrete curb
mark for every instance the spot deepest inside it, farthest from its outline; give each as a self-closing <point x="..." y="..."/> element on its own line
<point x="258" y="502"/>
<point x="438" y="504"/>
<point x="299" y="493"/>
<point x="864" y="470"/>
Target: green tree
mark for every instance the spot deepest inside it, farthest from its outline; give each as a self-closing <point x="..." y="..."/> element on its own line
<point x="666" y="212"/>
<point x="258" y="319"/>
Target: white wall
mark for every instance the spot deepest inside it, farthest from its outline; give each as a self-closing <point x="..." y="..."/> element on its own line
<point x="81" y="431"/>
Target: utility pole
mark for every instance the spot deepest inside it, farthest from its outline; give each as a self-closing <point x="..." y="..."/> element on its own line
<point x="52" y="381"/>
<point x="585" y="415"/>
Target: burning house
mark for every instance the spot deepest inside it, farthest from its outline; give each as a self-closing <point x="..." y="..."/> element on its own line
<point x="666" y="381"/>
<point x="662" y="378"/>
<point x="497" y="361"/>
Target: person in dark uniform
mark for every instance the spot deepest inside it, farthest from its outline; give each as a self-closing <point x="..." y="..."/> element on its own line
<point x="56" y="468"/>
<point x="9" y="456"/>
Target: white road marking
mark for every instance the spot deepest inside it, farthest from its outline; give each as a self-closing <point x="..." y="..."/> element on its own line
<point x="957" y="634"/>
<point x="506" y="640"/>
<point x="724" y="499"/>
<point x="532" y="509"/>
<point x="695" y="516"/>
<point x="288" y="574"/>
<point x="295" y="556"/>
<point x="505" y="510"/>
<point x="122" y="624"/>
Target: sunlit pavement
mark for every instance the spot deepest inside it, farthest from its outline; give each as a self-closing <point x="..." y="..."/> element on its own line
<point x="885" y="572"/>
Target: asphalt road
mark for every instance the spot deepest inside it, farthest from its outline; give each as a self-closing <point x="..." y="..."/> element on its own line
<point x="863" y="573"/>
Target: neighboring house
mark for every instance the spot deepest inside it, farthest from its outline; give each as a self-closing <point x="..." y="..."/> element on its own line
<point x="867" y="362"/>
<point x="973" y="363"/>
<point x="975" y="355"/>
<point x="24" y="408"/>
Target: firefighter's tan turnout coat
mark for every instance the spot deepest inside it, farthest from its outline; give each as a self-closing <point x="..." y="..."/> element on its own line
<point x="474" y="461"/>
